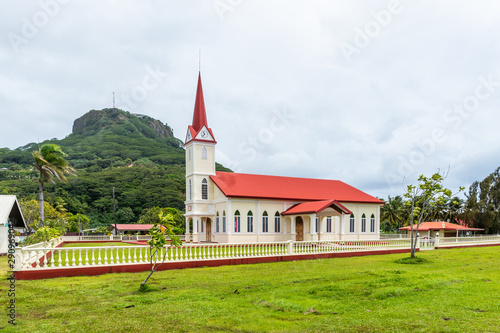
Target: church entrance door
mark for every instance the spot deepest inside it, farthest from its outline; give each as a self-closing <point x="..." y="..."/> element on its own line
<point x="299" y="229"/>
<point x="209" y="230"/>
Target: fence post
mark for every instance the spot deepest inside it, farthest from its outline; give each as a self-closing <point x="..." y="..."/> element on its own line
<point x="289" y="246"/>
<point x="18" y="259"/>
<point x="436" y="240"/>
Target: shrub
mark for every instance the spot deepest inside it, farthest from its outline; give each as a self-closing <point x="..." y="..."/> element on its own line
<point x="44" y="234"/>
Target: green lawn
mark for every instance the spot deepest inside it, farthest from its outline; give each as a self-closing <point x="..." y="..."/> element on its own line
<point x="458" y="290"/>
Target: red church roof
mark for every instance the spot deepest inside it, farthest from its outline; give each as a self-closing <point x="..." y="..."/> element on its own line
<point x="425" y="226"/>
<point x="288" y="188"/>
<point x="315" y="207"/>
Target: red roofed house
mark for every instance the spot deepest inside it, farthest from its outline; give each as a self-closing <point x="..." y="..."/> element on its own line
<point x="445" y="229"/>
<point x="230" y="207"/>
<point x="132" y="228"/>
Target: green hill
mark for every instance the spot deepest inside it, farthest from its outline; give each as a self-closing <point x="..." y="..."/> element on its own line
<point x="136" y="154"/>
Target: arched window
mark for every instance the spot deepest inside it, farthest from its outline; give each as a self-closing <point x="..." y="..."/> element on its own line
<point x="328" y="224"/>
<point x="277" y="224"/>
<point x="265" y="222"/>
<point x="249" y="221"/>
<point x="351" y="223"/>
<point x="204" y="189"/>
<point x="237" y="224"/>
<point x="190" y="190"/>
<point x="363" y="223"/>
<point x="223" y="221"/>
<point x="317" y="224"/>
<point x="217" y="222"/>
<point x="372" y="223"/>
<point x="204" y="153"/>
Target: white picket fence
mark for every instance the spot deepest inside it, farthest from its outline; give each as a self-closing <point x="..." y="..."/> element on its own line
<point x="48" y="256"/>
<point x="467" y="241"/>
<point x="33" y="253"/>
<point x="67" y="257"/>
<point x="113" y="238"/>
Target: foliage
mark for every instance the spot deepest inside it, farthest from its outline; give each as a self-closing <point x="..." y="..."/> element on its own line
<point x="482" y="207"/>
<point x="136" y="154"/>
<point x="57" y="218"/>
<point x="158" y="242"/>
<point x="422" y="199"/>
<point x="51" y="164"/>
<point x="43" y="234"/>
<point x="455" y="292"/>
<point x="153" y="216"/>
<point x="74" y="221"/>
<point x="31" y="213"/>
<point x="393" y="214"/>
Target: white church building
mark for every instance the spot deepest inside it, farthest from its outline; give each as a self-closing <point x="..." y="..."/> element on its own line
<point x="227" y="207"/>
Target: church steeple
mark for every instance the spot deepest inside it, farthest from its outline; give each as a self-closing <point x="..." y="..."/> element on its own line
<point x="199" y="130"/>
<point x="200" y="115"/>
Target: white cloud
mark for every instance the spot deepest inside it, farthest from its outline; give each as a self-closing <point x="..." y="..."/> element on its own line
<point x="359" y="121"/>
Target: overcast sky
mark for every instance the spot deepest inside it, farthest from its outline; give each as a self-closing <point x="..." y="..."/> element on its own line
<point x="367" y="92"/>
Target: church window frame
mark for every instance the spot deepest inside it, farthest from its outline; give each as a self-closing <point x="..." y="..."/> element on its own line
<point x="204" y="189"/>
<point x="372" y="223"/>
<point x="190" y="190"/>
<point x="352" y="222"/>
<point x="237" y="221"/>
<point x="265" y="222"/>
<point x="223" y="221"/>
<point x="204" y="153"/>
<point x="249" y="221"/>
<point x="328" y="224"/>
<point x="277" y="222"/>
<point x="363" y="223"/>
<point x="217" y="222"/>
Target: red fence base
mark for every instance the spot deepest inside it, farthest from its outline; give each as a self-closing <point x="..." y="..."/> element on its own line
<point x="134" y="268"/>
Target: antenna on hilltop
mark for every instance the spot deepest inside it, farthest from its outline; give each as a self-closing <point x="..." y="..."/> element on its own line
<point x="114" y="100"/>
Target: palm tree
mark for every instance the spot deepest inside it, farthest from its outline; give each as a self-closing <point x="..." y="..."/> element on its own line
<point x="50" y="164"/>
<point x="393" y="212"/>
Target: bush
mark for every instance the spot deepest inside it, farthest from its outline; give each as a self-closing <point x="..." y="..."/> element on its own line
<point x="44" y="234"/>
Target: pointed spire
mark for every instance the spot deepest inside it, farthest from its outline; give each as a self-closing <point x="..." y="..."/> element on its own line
<point x="200" y="115"/>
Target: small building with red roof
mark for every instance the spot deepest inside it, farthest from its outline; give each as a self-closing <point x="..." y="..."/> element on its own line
<point x="445" y="229"/>
<point x="131" y="228"/>
<point x="226" y="207"/>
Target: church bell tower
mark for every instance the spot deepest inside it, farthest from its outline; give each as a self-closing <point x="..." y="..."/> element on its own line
<point x="200" y="165"/>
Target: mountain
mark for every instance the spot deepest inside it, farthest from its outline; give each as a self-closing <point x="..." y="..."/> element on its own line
<point x="136" y="154"/>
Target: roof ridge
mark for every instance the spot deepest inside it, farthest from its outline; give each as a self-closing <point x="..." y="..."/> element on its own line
<point x="261" y="175"/>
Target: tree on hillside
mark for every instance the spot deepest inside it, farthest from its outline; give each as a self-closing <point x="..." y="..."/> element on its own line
<point x="422" y="199"/>
<point x="51" y="164"/>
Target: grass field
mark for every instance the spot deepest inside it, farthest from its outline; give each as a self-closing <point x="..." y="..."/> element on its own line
<point x="457" y="290"/>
